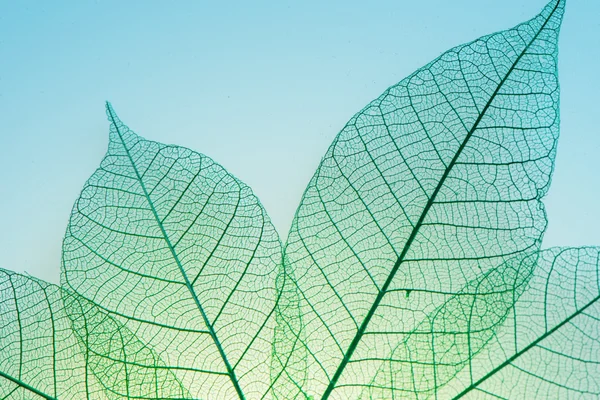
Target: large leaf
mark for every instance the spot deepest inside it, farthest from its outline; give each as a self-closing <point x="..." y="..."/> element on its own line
<point x="42" y="356"/>
<point x="183" y="254"/>
<point x="433" y="185"/>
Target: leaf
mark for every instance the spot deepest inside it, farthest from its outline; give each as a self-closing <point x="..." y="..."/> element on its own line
<point x="550" y="346"/>
<point x="457" y="330"/>
<point x="41" y="356"/>
<point x="123" y="365"/>
<point x="430" y="187"/>
<point x="182" y="254"/>
<point x="289" y="357"/>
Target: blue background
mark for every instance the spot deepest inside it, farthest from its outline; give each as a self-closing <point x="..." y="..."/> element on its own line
<point x="261" y="87"/>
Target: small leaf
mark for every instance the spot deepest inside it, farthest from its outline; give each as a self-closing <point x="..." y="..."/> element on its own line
<point x="432" y="186"/>
<point x="182" y="254"/>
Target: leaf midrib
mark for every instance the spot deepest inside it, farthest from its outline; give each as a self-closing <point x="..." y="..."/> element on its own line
<point x="355" y="341"/>
<point x="230" y="371"/>
<point x="26" y="386"/>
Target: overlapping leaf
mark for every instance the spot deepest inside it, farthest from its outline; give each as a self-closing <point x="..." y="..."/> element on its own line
<point x="430" y="187"/>
<point x="44" y="355"/>
<point x="125" y="367"/>
<point x="454" y="333"/>
<point x="549" y="347"/>
<point x="184" y="255"/>
<point x="40" y="356"/>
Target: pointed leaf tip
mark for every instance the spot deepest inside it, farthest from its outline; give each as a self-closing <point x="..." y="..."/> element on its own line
<point x="118" y="131"/>
<point x="110" y="111"/>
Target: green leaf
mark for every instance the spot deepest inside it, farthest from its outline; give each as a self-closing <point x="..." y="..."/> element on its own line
<point x="548" y="345"/>
<point x="454" y="333"/>
<point x="39" y="354"/>
<point x="432" y="186"/>
<point x="182" y="254"/>
<point x="549" y="348"/>
<point x="42" y="355"/>
<point x="123" y="365"/>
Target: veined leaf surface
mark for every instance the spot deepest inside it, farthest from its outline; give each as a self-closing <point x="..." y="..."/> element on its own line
<point x="184" y="255"/>
<point x="549" y="347"/>
<point x="456" y="331"/>
<point x="43" y="354"/>
<point x="40" y="356"/>
<point x="125" y="367"/>
<point x="431" y="186"/>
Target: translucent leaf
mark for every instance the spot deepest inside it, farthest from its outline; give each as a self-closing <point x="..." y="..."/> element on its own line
<point x="290" y="357"/>
<point x="549" y="347"/>
<point x="41" y="356"/>
<point x="123" y="365"/>
<point x="446" y="341"/>
<point x="426" y="191"/>
<point x="182" y="254"/>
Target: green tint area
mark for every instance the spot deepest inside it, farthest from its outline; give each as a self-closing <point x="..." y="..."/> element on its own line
<point x="413" y="268"/>
<point x="184" y="255"/>
<point x="39" y="352"/>
<point x="549" y="347"/>
<point x="57" y="345"/>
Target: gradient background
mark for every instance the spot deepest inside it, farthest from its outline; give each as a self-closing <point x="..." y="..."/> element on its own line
<point x="261" y="88"/>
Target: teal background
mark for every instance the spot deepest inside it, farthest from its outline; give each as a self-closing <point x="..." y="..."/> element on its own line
<point x="261" y="87"/>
